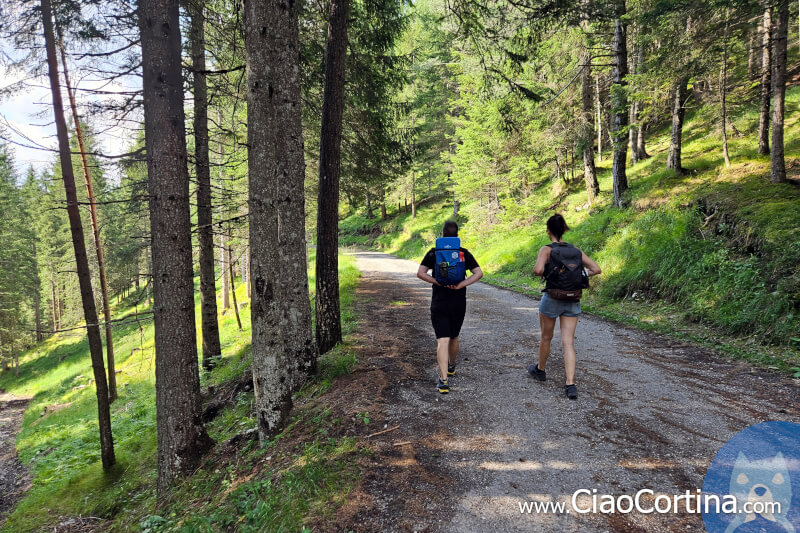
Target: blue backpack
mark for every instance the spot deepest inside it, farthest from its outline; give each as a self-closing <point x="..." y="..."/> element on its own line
<point x="450" y="267"/>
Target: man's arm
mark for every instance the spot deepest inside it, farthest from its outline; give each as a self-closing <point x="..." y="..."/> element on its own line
<point x="476" y="274"/>
<point x="422" y="273"/>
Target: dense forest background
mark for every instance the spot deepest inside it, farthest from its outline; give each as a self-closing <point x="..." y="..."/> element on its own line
<point x="665" y="131"/>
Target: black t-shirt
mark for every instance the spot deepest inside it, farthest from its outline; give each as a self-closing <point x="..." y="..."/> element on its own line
<point x="443" y="295"/>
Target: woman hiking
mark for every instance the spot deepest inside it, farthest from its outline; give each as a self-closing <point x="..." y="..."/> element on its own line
<point x="562" y="267"/>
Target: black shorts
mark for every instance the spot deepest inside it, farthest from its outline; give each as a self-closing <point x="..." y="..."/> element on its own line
<point x="447" y="320"/>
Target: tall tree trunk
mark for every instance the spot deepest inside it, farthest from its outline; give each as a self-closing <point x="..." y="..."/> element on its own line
<point x="619" y="103"/>
<point x="413" y="194"/>
<point x="766" y="63"/>
<point x="205" y="235"/>
<point x="54" y="300"/>
<point x="779" y="45"/>
<point x="233" y="282"/>
<point x="98" y="246"/>
<point x="676" y="136"/>
<point x="223" y="266"/>
<point x="182" y="439"/>
<point x="589" y="172"/>
<point x="283" y="343"/>
<point x="723" y="82"/>
<point x="751" y="55"/>
<point x="37" y="300"/>
<point x="328" y="313"/>
<point x="79" y="245"/>
<point x="599" y="118"/>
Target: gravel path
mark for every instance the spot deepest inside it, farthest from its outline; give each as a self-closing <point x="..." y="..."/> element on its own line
<point x="14" y="477"/>
<point x="652" y="413"/>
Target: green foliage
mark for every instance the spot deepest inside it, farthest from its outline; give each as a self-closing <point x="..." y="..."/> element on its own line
<point x="59" y="435"/>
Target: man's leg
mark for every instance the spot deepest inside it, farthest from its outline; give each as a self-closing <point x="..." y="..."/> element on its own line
<point x="546" y="326"/>
<point x="442" y="355"/>
<point x="568" y="325"/>
<point x="453" y="350"/>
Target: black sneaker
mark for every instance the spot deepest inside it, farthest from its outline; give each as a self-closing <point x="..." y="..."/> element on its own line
<point x="451" y="370"/>
<point x="442" y="386"/>
<point x="534" y="371"/>
<point x="571" y="391"/>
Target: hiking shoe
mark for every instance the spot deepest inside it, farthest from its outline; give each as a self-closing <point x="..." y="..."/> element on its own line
<point x="442" y="386"/>
<point x="534" y="371"/>
<point x="451" y="370"/>
<point x="571" y="391"/>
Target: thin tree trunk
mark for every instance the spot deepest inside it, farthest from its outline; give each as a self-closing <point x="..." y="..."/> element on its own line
<point x="328" y="313"/>
<point x="233" y="285"/>
<point x="599" y="118"/>
<point x="223" y="266"/>
<point x="383" y="210"/>
<point x="79" y="245"/>
<point x="37" y="300"/>
<point x="283" y="343"/>
<point x="54" y="300"/>
<point x="98" y="246"/>
<point x="751" y="56"/>
<point x="676" y="137"/>
<point x="619" y="106"/>
<point x="413" y="194"/>
<point x="779" y="45"/>
<point x="723" y="82"/>
<point x="766" y="63"/>
<point x="182" y="439"/>
<point x="205" y="236"/>
<point x="589" y="171"/>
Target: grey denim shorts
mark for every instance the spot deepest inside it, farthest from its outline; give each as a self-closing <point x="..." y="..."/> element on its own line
<point x="550" y="307"/>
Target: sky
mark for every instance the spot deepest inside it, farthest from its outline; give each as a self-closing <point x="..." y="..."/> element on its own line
<point x="29" y="113"/>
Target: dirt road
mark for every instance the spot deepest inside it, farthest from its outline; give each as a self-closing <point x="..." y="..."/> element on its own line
<point x="652" y="413"/>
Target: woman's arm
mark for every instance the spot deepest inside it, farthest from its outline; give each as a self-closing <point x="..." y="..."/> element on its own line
<point x="541" y="260"/>
<point x="590" y="265"/>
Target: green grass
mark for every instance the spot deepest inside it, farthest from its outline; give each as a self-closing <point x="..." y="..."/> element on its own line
<point x="62" y="448"/>
<point x="717" y="248"/>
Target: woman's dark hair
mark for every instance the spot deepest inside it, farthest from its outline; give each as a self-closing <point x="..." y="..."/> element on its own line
<point x="450" y="229"/>
<point x="557" y="225"/>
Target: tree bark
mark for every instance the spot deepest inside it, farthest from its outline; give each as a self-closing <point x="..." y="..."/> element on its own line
<point x="98" y="246"/>
<point x="283" y="344"/>
<point x="223" y="266"/>
<point x="676" y="136"/>
<point x="723" y="82"/>
<point x="779" y="45"/>
<point x="79" y="245"/>
<point x="413" y="194"/>
<point x="589" y="171"/>
<point x="620" y="112"/>
<point x="751" y="55"/>
<point x="599" y="118"/>
<point x="233" y="283"/>
<point x="182" y="439"/>
<point x="37" y="300"/>
<point x="766" y="63"/>
<point x="328" y="313"/>
<point x="54" y="300"/>
<point x="205" y="235"/>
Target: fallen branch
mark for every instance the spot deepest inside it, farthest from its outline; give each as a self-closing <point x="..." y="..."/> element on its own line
<point x="382" y="432"/>
<point x="402" y="443"/>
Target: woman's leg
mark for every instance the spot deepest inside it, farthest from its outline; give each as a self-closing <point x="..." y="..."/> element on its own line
<point x="546" y="327"/>
<point x="443" y="355"/>
<point x="568" y="325"/>
<point x="453" y="350"/>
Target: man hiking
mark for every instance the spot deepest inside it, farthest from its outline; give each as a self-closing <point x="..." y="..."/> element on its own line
<point x="447" y="264"/>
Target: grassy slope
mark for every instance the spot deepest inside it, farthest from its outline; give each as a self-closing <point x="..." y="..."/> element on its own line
<point x="62" y="447"/>
<point x="718" y="247"/>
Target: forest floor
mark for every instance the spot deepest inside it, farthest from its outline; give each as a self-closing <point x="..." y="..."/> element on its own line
<point x="14" y="477"/>
<point x="652" y="413"/>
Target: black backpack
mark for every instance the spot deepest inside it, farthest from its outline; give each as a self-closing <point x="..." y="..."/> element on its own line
<point x="564" y="271"/>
